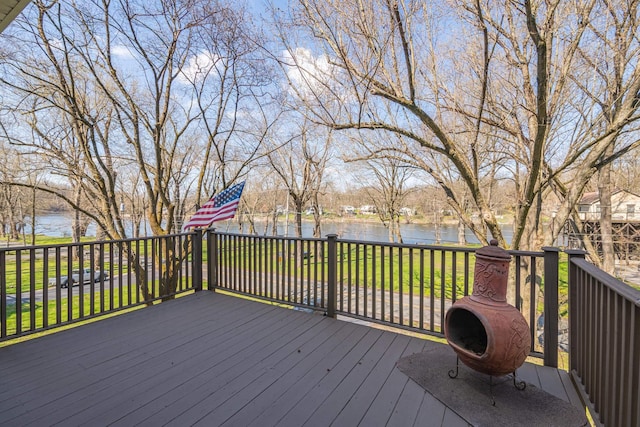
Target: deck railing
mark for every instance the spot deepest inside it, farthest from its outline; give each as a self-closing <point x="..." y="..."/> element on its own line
<point x="406" y="286"/>
<point x="42" y="287"/>
<point x="604" y="341"/>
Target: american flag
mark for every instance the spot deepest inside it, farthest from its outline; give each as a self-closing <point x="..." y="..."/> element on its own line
<point x="221" y="206"/>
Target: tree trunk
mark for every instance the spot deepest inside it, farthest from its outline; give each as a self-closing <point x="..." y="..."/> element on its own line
<point x="397" y="233"/>
<point x="606" y="232"/>
<point x="317" y="231"/>
<point x="274" y="224"/>
<point x="298" y="205"/>
<point x="462" y="238"/>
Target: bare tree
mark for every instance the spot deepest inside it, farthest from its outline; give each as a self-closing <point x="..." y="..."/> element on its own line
<point x="106" y="87"/>
<point x="388" y="193"/>
<point x="301" y="164"/>
<point x="509" y="97"/>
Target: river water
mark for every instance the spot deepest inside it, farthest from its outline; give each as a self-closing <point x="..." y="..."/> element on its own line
<point x="60" y="226"/>
<point x="372" y="231"/>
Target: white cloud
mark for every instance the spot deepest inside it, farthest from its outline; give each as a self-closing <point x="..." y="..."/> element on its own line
<point x="197" y="67"/>
<point x="309" y="74"/>
<point x="122" y="51"/>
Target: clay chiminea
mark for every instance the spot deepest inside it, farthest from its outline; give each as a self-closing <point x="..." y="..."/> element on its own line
<point x="488" y="334"/>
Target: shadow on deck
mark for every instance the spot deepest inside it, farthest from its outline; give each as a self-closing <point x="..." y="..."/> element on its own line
<point x="211" y="359"/>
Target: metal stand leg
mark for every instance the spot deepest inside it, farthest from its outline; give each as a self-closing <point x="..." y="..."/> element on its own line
<point x="453" y="373"/>
<point x="520" y="385"/>
<point x="493" y="400"/>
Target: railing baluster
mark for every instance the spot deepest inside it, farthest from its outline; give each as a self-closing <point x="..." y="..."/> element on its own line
<point x="382" y="282"/>
<point x="32" y="289"/>
<point x="466" y="273"/>
<point x="391" y="286"/>
<point x="81" y="280"/>
<point x="357" y="283"/>
<point x="70" y="283"/>
<point x="443" y="287"/>
<point x="3" y="294"/>
<point x="411" y="287"/>
<point x="340" y="279"/>
<point x="128" y="275"/>
<point x="245" y="262"/>
<point x="421" y="325"/>
<point x="306" y="278"/>
<point x="111" y="271"/>
<point x="323" y="255"/>
<point x="551" y="307"/>
<point x="374" y="275"/>
<point x="454" y="278"/>
<point x="349" y="282"/>
<point x="532" y="301"/>
<point x="92" y="283"/>
<point x="18" y="292"/>
<point x="45" y="288"/>
<point x="288" y="261"/>
<point x="58" y="291"/>
<point x="400" y="288"/>
<point x="365" y="284"/>
<point x="432" y="290"/>
<point x="332" y="275"/>
<point x="255" y="265"/>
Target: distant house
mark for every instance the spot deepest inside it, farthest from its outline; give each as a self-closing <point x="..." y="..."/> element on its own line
<point x="407" y="211"/>
<point x="368" y="210"/>
<point x="347" y="210"/>
<point x="625" y="206"/>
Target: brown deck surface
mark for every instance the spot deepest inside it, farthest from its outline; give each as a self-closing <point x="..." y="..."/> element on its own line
<point x="211" y="359"/>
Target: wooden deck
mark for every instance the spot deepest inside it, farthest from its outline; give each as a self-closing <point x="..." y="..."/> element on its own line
<point x="210" y="359"/>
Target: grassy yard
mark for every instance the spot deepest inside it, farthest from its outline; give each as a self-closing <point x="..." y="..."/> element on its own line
<point x="33" y="267"/>
<point x="64" y="310"/>
<point x="411" y="271"/>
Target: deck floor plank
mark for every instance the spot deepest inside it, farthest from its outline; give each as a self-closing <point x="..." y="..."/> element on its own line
<point x="572" y="394"/>
<point x="430" y="413"/>
<point x="213" y="359"/>
<point x="451" y="419"/>
<point x="550" y="382"/>
<point x="387" y="397"/>
<point x="408" y="405"/>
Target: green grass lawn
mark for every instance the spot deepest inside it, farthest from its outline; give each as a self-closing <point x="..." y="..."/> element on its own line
<point x="430" y="273"/>
<point x="65" y="310"/>
<point x="30" y="268"/>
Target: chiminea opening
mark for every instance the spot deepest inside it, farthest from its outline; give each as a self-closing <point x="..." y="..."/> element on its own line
<point x="467" y="331"/>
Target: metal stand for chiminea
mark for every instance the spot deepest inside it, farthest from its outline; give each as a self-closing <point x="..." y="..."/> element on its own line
<point x="488" y="334"/>
<point x="519" y="385"/>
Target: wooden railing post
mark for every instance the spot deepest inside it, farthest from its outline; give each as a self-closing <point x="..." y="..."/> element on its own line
<point x="573" y="309"/>
<point x="332" y="274"/>
<point x="197" y="260"/>
<point x="212" y="259"/>
<point x="551" y="255"/>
